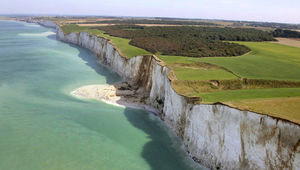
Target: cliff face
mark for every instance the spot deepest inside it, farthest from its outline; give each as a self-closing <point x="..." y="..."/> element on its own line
<point x="47" y="23"/>
<point x="216" y="136"/>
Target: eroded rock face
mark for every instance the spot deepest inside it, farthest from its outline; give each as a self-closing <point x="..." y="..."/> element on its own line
<point x="236" y="139"/>
<point x="216" y="136"/>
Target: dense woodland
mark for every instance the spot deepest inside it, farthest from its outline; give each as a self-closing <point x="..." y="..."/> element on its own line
<point x="286" y="33"/>
<point x="189" y="41"/>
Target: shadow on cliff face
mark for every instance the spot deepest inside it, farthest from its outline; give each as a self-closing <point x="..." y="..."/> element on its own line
<point x="91" y="60"/>
<point x="163" y="151"/>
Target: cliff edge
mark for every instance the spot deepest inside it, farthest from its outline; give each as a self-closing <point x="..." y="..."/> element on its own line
<point x="215" y="135"/>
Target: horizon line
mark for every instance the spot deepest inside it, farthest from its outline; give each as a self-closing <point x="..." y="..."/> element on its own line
<point x="99" y="15"/>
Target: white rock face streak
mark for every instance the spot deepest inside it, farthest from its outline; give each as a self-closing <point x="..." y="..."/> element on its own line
<point x="217" y="136"/>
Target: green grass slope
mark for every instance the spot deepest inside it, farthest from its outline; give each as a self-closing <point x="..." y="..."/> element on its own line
<point x="237" y="95"/>
<point x="202" y="74"/>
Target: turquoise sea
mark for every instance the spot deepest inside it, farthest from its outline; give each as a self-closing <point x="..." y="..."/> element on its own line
<point x="43" y="127"/>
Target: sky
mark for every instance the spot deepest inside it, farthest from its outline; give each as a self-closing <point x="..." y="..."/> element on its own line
<point x="285" y="11"/>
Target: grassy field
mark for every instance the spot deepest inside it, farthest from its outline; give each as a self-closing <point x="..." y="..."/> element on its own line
<point x="266" y="61"/>
<point x="289" y="109"/>
<point x="123" y="44"/>
<point x="183" y="73"/>
<point x="245" y="94"/>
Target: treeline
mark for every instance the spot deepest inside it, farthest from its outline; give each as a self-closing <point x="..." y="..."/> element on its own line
<point x="148" y="21"/>
<point x="189" y="41"/>
<point x="189" y="47"/>
<point x="286" y="33"/>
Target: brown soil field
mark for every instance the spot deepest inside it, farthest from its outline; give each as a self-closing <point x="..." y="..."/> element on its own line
<point x="295" y="42"/>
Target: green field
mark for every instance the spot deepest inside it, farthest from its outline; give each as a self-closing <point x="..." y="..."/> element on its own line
<point x="122" y="43"/>
<point x="286" y="108"/>
<point x="237" y="95"/>
<point x="266" y="61"/>
<point x="202" y="74"/>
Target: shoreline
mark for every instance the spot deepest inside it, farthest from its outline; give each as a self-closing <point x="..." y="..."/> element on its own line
<point x="114" y="95"/>
<point x="200" y="125"/>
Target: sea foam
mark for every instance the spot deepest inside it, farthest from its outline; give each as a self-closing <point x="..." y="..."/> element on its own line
<point x="43" y="34"/>
<point x="31" y="25"/>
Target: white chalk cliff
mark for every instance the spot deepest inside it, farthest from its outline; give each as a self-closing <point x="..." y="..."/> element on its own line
<point x="217" y="136"/>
